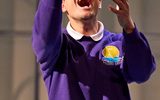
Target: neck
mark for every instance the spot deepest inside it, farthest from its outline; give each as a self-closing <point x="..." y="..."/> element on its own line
<point x="86" y="28"/>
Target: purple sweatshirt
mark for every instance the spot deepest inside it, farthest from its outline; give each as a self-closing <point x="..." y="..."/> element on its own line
<point x="78" y="69"/>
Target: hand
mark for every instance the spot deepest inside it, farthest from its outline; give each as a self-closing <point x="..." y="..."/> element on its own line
<point x="123" y="14"/>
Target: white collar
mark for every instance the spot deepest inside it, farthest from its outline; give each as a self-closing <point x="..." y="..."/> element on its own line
<point x="77" y="36"/>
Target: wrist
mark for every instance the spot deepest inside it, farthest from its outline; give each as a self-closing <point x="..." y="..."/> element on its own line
<point x="129" y="28"/>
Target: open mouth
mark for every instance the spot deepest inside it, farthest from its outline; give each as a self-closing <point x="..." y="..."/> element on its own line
<point x="83" y="3"/>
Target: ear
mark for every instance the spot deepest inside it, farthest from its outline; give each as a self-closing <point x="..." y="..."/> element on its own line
<point x="63" y="6"/>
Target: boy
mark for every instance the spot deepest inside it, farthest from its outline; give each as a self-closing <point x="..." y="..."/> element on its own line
<point x="85" y="61"/>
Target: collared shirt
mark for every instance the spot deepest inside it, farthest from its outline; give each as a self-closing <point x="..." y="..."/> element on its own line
<point x="77" y="36"/>
<point x="87" y="69"/>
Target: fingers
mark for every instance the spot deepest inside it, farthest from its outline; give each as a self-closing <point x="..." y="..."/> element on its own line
<point x="123" y="14"/>
<point x="119" y="3"/>
<point x="115" y="10"/>
<point x="123" y="4"/>
<point x="125" y="1"/>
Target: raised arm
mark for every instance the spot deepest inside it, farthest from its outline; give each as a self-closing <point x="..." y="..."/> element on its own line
<point x="138" y="60"/>
<point x="47" y="37"/>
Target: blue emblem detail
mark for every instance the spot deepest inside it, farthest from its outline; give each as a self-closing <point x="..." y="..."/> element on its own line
<point x="112" y="61"/>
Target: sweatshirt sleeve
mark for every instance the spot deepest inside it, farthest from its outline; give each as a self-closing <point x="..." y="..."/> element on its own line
<point x="138" y="62"/>
<point x="46" y="34"/>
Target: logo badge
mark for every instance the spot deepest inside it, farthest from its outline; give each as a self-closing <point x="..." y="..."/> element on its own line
<point x="111" y="55"/>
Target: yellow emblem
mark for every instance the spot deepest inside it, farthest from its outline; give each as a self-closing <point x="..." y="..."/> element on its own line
<point x="110" y="52"/>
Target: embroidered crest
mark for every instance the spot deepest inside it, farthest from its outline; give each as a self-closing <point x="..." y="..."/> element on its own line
<point x="111" y="55"/>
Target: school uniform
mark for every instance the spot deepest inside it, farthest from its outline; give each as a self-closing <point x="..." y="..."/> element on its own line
<point x="95" y="67"/>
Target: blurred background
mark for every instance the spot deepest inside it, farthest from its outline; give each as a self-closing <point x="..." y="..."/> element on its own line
<point x="19" y="74"/>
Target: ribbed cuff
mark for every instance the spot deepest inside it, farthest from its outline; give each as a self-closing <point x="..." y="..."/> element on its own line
<point x="132" y="37"/>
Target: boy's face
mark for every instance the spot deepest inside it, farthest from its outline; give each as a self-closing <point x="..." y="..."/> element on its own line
<point x="81" y="9"/>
